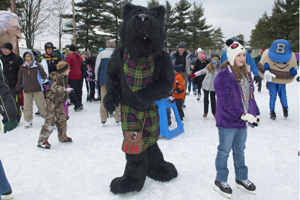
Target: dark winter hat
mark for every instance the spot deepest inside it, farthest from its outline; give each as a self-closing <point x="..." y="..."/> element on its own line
<point x="72" y="47"/>
<point x="177" y="68"/>
<point x="62" y="67"/>
<point x="8" y="45"/>
<point x="89" y="61"/>
<point x="181" y="45"/>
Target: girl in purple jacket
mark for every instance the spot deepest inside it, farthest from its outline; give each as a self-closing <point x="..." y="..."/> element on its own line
<point x="236" y="108"/>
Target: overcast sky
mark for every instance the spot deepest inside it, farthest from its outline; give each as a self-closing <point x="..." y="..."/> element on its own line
<point x="233" y="16"/>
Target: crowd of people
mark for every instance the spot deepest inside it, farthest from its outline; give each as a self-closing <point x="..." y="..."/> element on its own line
<point x="50" y="79"/>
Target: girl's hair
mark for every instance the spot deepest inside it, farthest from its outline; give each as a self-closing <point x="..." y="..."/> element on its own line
<point x="237" y="70"/>
<point x="6" y="18"/>
<point x="210" y="66"/>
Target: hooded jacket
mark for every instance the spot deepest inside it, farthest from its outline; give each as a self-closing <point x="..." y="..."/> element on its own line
<point x="229" y="106"/>
<point x="51" y="59"/>
<point x="30" y="77"/>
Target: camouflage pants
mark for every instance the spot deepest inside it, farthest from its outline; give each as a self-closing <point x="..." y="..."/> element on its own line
<point x="55" y="115"/>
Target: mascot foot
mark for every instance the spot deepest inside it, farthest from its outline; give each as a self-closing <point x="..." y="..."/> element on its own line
<point x="158" y="168"/>
<point x="134" y="175"/>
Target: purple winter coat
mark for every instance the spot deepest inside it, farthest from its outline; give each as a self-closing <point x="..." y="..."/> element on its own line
<point x="229" y="101"/>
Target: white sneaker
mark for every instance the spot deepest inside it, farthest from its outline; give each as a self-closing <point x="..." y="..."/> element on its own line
<point x="28" y="124"/>
<point x="199" y="96"/>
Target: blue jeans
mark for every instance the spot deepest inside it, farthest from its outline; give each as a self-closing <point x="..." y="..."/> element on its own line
<point x="191" y="82"/>
<point x="234" y="139"/>
<point x="4" y="184"/>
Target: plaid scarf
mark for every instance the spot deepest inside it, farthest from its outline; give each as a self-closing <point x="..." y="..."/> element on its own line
<point x="138" y="72"/>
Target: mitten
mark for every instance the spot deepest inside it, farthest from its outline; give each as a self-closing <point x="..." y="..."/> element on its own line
<point x="293" y="71"/>
<point x="192" y="76"/>
<point x="268" y="76"/>
<point x="258" y="120"/>
<point x="8" y="126"/>
<point x="249" y="118"/>
<point x="176" y="90"/>
<point x="266" y="66"/>
<point x="257" y="79"/>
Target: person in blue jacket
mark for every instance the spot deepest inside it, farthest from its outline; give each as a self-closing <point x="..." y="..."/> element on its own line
<point x="249" y="61"/>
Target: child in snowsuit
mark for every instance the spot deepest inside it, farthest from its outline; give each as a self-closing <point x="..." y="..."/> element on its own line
<point x="236" y="107"/>
<point x="178" y="91"/>
<point x="55" y="96"/>
<point x="30" y="77"/>
<point x="210" y="72"/>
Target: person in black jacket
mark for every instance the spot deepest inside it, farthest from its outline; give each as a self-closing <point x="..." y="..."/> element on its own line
<point x="11" y="65"/>
<point x="51" y="57"/>
<point x="200" y="64"/>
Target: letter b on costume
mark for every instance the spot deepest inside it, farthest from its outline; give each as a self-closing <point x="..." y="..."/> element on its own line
<point x="280" y="48"/>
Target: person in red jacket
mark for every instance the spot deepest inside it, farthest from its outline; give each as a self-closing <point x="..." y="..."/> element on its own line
<point x="179" y="90"/>
<point x="75" y="78"/>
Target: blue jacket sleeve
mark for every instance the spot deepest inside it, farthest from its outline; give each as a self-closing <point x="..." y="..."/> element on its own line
<point x="251" y="62"/>
<point x="223" y="58"/>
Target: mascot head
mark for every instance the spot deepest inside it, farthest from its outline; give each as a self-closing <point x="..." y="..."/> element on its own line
<point x="280" y="59"/>
<point x="142" y="31"/>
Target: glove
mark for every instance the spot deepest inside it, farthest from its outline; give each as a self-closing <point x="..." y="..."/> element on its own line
<point x="176" y="90"/>
<point x="257" y="79"/>
<point x="293" y="71"/>
<point x="258" y="120"/>
<point x="268" y="76"/>
<point x="192" y="76"/>
<point x="8" y="126"/>
<point x="45" y="82"/>
<point x="69" y="89"/>
<point x="249" y="118"/>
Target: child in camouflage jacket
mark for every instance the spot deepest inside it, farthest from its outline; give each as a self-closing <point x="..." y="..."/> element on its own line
<point x="56" y="94"/>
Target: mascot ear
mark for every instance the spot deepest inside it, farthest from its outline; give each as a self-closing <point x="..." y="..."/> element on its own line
<point x="128" y="7"/>
<point x="229" y="42"/>
<point x="241" y="42"/>
<point x="160" y="12"/>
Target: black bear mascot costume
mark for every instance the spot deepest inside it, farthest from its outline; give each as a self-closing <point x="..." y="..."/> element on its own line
<point x="139" y="73"/>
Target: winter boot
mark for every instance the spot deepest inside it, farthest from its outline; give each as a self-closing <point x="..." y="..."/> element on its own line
<point x="7" y="195"/>
<point x="285" y="112"/>
<point x="158" y="168"/>
<point x="134" y="176"/>
<point x="205" y="115"/>
<point x="67" y="140"/>
<point x="188" y="92"/>
<point x="37" y="113"/>
<point x="223" y="188"/>
<point x="273" y="115"/>
<point x="246" y="185"/>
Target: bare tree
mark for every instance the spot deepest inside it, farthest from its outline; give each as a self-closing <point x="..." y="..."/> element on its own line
<point x="58" y="22"/>
<point x="33" y="17"/>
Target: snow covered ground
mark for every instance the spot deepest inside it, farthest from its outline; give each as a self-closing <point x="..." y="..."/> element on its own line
<point x="84" y="169"/>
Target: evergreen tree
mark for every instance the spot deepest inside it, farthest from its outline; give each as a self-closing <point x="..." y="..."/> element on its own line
<point x="152" y="3"/>
<point x="217" y="39"/>
<point x="169" y="20"/>
<point x="259" y="37"/>
<point x="178" y="32"/>
<point x="5" y="4"/>
<point x="199" y="33"/>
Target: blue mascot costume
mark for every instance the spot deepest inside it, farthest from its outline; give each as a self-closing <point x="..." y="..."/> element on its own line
<point x="278" y="67"/>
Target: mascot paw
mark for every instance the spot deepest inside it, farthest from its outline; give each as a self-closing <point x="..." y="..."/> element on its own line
<point x="163" y="173"/>
<point x="111" y="102"/>
<point x="123" y="185"/>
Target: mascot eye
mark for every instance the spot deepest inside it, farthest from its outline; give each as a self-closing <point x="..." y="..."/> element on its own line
<point x="234" y="46"/>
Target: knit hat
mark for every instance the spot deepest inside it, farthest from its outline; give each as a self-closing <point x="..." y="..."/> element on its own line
<point x="199" y="50"/>
<point x="234" y="49"/>
<point x="66" y="50"/>
<point x="89" y="61"/>
<point x="62" y="67"/>
<point x="100" y="49"/>
<point x="177" y="68"/>
<point x="8" y="45"/>
<point x="181" y="45"/>
<point x="72" y="47"/>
